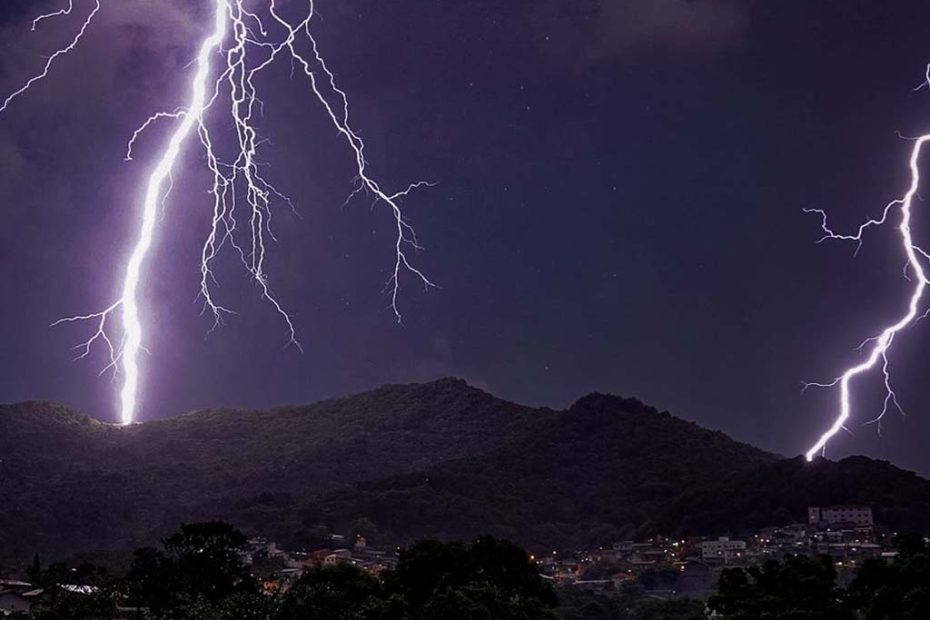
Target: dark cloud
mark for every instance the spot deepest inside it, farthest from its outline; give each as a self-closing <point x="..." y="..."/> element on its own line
<point x="626" y="30"/>
<point x="685" y="25"/>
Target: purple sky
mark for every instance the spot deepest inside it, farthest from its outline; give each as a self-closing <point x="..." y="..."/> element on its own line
<point x="618" y="208"/>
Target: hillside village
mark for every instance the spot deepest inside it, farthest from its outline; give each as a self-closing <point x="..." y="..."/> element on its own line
<point x="664" y="567"/>
<point x="691" y="567"/>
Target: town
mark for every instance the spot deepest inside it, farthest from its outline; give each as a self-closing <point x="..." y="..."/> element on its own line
<point x="664" y="567"/>
<point x="669" y="567"/>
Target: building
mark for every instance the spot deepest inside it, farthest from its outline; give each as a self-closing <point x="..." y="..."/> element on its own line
<point x="339" y="556"/>
<point x="18" y="601"/>
<point x="722" y="549"/>
<point x="859" y="516"/>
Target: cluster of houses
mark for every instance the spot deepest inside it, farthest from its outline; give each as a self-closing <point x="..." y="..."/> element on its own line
<point x="283" y="567"/>
<point x="277" y="570"/>
<point x="22" y="597"/>
<point x="665" y="567"/>
<point x="17" y="596"/>
<point x="691" y="567"/>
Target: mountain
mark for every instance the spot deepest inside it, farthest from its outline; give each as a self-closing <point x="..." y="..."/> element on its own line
<point x="409" y="461"/>
<point x="69" y="483"/>
<point x="611" y="468"/>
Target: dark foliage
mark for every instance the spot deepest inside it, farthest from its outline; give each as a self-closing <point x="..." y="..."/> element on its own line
<point x="490" y="579"/>
<point x="898" y="590"/>
<point x="612" y="468"/>
<point x="401" y="463"/>
<point x="799" y="588"/>
<point x="98" y="602"/>
<point x="70" y="483"/>
<point x="200" y="577"/>
<point x="628" y="604"/>
<point x="336" y="593"/>
<point x="200" y="568"/>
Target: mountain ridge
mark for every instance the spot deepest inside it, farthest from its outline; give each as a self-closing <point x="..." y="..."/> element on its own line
<point x="440" y="459"/>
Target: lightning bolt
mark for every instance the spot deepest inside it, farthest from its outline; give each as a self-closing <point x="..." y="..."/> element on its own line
<point x="242" y="43"/>
<point x="877" y="348"/>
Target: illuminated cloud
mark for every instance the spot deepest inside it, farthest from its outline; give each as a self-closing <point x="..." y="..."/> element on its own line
<point x="623" y="30"/>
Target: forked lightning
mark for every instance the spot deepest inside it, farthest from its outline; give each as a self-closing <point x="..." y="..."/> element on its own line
<point x="246" y="37"/>
<point x="877" y="347"/>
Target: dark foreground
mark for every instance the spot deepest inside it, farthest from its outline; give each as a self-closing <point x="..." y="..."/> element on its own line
<point x="199" y="574"/>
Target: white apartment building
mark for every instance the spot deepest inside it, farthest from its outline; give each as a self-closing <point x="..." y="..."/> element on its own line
<point x="722" y="549"/>
<point x="860" y="516"/>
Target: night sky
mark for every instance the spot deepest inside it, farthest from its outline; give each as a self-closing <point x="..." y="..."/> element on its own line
<point x="618" y="208"/>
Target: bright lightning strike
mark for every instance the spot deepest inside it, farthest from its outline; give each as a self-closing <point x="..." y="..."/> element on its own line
<point x="243" y="43"/>
<point x="877" y="347"/>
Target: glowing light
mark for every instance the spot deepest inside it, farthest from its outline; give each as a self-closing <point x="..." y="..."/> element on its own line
<point x="878" y="346"/>
<point x="129" y="298"/>
<point x="252" y="48"/>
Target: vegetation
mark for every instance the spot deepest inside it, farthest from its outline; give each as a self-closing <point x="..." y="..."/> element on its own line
<point x="611" y="469"/>
<point x="403" y="463"/>
<point x="630" y="603"/>
<point x="800" y="588"/>
<point x="895" y="591"/>
<point x="199" y="574"/>
<point x="200" y="568"/>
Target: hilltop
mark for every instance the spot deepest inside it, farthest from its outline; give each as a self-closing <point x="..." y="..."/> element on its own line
<point x="411" y="461"/>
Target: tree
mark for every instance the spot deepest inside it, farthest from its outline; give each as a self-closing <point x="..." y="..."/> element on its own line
<point x="62" y="600"/>
<point x="674" y="609"/>
<point x="200" y="576"/>
<point x="580" y="604"/>
<point x="896" y="591"/>
<point x="427" y="567"/>
<point x="332" y="593"/>
<point x="489" y="580"/>
<point x="312" y="538"/>
<point x="200" y="566"/>
<point x="797" y="588"/>
<point x="35" y="570"/>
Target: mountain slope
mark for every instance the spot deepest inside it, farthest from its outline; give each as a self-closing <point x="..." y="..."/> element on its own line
<point x="605" y="469"/>
<point x="437" y="459"/>
<point x="69" y="483"/>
